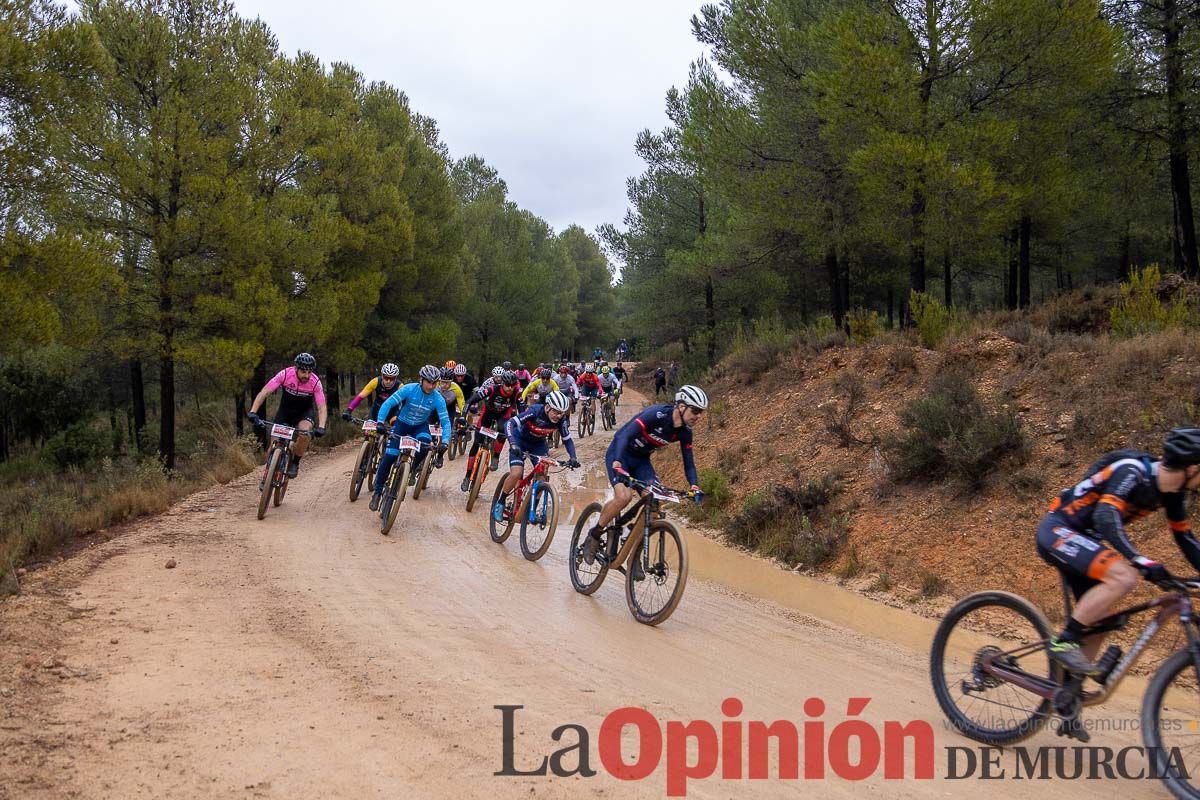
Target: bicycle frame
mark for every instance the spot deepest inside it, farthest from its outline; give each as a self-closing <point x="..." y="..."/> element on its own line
<point x="1169" y="606"/>
<point x="639" y="525"/>
<point x="539" y="471"/>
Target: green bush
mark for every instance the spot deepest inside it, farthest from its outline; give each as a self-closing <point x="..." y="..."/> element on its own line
<point x="78" y="445"/>
<point x="1140" y="309"/>
<point x="864" y="325"/>
<point x="933" y="320"/>
<point x="715" y="485"/>
<point x="951" y="433"/>
<point x="791" y="523"/>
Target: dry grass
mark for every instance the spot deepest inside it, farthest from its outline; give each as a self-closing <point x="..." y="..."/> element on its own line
<point x="43" y="508"/>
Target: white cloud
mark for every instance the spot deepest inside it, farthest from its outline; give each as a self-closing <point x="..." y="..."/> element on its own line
<point x="551" y="94"/>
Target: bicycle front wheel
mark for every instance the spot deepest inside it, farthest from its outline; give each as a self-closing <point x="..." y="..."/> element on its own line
<point x="268" y="481"/>
<point x="538" y="521"/>
<point x="654" y="594"/>
<point x="394" y="496"/>
<point x="586" y="578"/>
<point x="361" y="465"/>
<point x="1001" y="628"/>
<point x="483" y="459"/>
<point x="1169" y="713"/>
<point x="423" y="477"/>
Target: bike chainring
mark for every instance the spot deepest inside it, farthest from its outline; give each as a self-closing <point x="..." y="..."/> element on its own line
<point x="981" y="680"/>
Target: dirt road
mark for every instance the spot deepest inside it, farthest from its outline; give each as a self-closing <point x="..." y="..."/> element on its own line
<point x="306" y="655"/>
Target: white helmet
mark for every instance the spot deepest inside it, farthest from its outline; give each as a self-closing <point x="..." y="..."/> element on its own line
<point x="460" y="369"/>
<point x="389" y="370"/>
<point x="558" y="401"/>
<point x="497" y="372"/>
<point x="694" y="396"/>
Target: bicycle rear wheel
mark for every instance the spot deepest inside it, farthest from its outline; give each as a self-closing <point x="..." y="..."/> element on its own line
<point x="268" y="481"/>
<point x="423" y="477"/>
<point x="1004" y="628"/>
<point x="587" y="578"/>
<point x="665" y="572"/>
<point x="1169" y="713"/>
<point x="539" y="516"/>
<point x="499" y="530"/>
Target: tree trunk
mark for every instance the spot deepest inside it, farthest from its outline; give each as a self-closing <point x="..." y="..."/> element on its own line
<point x="166" y="401"/>
<point x="844" y="288"/>
<point x="891" y="303"/>
<point x="333" y="397"/>
<point x="138" y="396"/>
<point x="1010" y="284"/>
<point x="1025" y="229"/>
<point x="1177" y="138"/>
<point x="710" y="320"/>
<point x="916" y="263"/>
<point x="832" y="272"/>
<point x="947" y="277"/>
<point x="239" y="412"/>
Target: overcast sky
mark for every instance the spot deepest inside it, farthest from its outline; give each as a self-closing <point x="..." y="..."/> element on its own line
<point x="551" y="94"/>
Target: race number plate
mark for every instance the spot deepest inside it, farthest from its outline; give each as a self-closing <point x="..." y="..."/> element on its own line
<point x="370" y="425"/>
<point x="409" y="443"/>
<point x="282" y="431"/>
<point x="664" y="495"/>
<point x="435" y="431"/>
<point x="489" y="433"/>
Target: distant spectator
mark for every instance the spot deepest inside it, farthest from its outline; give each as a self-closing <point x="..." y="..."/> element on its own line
<point x="674" y="374"/>
<point x="660" y="382"/>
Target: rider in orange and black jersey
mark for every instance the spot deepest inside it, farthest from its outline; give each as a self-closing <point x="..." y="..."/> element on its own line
<point x="1122" y="487"/>
<point x="499" y="401"/>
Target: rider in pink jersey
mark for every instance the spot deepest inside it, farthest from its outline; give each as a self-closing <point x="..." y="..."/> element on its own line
<point x="302" y="395"/>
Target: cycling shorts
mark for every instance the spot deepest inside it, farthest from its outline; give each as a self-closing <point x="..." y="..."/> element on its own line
<point x="637" y="466"/>
<point x="520" y="448"/>
<point x="1081" y="558"/>
<point x="293" y="417"/>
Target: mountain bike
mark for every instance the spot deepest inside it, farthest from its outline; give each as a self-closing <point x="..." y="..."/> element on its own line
<point x="273" y="485"/>
<point x="435" y="431"/>
<point x="997" y="684"/>
<point x="396" y="486"/>
<point x="587" y="417"/>
<point x="653" y="550"/>
<point x="483" y="464"/>
<point x="535" y="504"/>
<point x="368" y="456"/>
<point x="460" y="439"/>
<point x="608" y="413"/>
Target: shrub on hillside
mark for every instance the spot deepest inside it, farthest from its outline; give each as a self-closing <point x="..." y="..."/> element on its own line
<point x="864" y="325"/>
<point x="78" y="445"/>
<point x="933" y="320"/>
<point x="792" y="523"/>
<point x="950" y="433"/>
<point x="758" y="350"/>
<point x="1141" y="309"/>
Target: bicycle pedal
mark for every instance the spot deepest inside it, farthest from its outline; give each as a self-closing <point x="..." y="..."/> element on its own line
<point x="1072" y="728"/>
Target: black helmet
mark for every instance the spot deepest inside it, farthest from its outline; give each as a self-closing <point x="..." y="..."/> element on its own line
<point x="544" y="373"/>
<point x="447" y="374"/>
<point x="508" y="378"/>
<point x="507" y="365"/>
<point x="306" y="361"/>
<point x="521" y="365"/>
<point x="1182" y="447"/>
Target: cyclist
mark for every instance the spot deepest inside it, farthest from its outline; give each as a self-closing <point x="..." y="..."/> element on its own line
<point x="495" y="378"/>
<point x="608" y="381"/>
<point x="451" y="393"/>
<point x="1123" y="486"/>
<point x="544" y="378"/>
<point x="465" y="380"/>
<point x="523" y="376"/>
<point x="589" y="384"/>
<point x="528" y="435"/>
<point x="378" y="389"/>
<point x="301" y="391"/>
<point x="629" y="452"/>
<point x="412" y="406"/>
<point x="566" y="385"/>
<point x="499" y="404"/>
<point x="597" y="354"/>
<point x="620" y="372"/>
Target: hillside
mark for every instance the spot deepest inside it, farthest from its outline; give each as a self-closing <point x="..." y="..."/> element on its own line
<point x="1075" y="395"/>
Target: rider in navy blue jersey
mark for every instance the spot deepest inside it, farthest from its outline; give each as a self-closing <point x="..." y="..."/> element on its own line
<point x="629" y="454"/>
